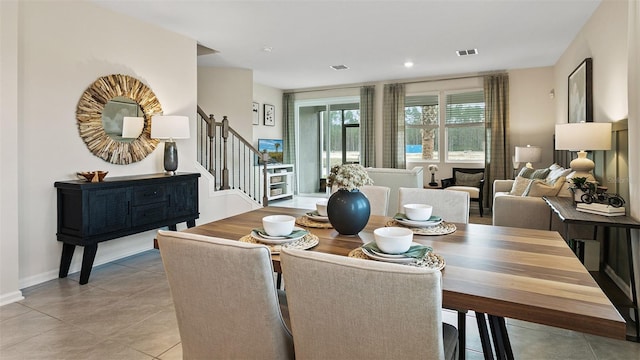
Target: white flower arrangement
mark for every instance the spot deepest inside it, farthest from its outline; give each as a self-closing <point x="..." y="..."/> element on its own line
<point x="433" y="168"/>
<point x="348" y="177"/>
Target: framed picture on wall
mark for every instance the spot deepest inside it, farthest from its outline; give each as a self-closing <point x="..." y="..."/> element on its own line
<point x="255" y="111"/>
<point x="269" y="115"/>
<point x="580" y="93"/>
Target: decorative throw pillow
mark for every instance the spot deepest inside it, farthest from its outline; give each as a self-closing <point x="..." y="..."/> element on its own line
<point x="555" y="174"/>
<point x="466" y="179"/>
<point x="520" y="184"/>
<point x="534" y="173"/>
<point x="539" y="188"/>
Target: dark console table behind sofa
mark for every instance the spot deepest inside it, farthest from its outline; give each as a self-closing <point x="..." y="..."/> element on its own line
<point x="89" y="213"/>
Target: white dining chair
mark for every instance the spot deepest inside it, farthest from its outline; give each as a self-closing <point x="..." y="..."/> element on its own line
<point x="346" y="308"/>
<point x="452" y="206"/>
<point x="225" y="298"/>
<point x="378" y="197"/>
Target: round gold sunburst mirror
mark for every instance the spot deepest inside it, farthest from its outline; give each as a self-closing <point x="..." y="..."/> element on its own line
<point x="100" y="114"/>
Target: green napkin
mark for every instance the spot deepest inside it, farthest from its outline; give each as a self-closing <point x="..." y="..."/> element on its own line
<point x="401" y="216"/>
<point x="415" y="251"/>
<point x="293" y="235"/>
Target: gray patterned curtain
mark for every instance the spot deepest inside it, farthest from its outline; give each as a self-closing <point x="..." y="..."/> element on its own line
<point x="393" y="145"/>
<point x="288" y="129"/>
<point x="367" y="127"/>
<point x="497" y="149"/>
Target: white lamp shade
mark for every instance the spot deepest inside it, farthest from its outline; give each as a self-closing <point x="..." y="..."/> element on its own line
<point x="169" y="127"/>
<point x="583" y="136"/>
<point x="528" y="154"/>
<point x="132" y="127"/>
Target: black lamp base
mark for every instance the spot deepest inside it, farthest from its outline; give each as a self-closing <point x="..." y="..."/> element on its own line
<point x="170" y="158"/>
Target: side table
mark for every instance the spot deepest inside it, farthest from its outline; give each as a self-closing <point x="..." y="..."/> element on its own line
<point x="565" y="209"/>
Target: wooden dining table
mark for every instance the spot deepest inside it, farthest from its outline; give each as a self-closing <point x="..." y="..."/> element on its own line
<point x="524" y="274"/>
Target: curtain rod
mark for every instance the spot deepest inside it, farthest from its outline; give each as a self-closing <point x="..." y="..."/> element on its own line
<point x="400" y="82"/>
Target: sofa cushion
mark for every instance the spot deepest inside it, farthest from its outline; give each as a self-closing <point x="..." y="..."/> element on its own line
<point x="534" y="173"/>
<point x="557" y="173"/>
<point x="473" y="191"/>
<point x="467" y="179"/>
<point x="520" y="185"/>
<point x="539" y="188"/>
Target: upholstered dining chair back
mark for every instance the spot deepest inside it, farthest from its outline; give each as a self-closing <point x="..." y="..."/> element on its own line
<point x="225" y="298"/>
<point x="452" y="206"/>
<point x="378" y="198"/>
<point x="346" y="308"/>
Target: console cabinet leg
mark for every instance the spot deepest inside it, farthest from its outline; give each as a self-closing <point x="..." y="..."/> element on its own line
<point x="87" y="262"/>
<point x="65" y="259"/>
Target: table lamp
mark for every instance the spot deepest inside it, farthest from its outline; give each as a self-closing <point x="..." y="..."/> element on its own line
<point x="132" y="127"/>
<point x="170" y="127"/>
<point x="580" y="137"/>
<point x="528" y="154"/>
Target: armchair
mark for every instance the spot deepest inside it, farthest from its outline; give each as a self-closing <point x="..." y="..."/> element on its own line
<point x="469" y="180"/>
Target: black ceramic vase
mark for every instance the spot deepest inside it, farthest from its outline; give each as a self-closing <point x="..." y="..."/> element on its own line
<point x="348" y="211"/>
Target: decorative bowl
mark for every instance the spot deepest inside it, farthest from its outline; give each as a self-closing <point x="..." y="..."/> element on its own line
<point x="393" y="240"/>
<point x="278" y="225"/>
<point x="93" y="176"/>
<point x="418" y="212"/>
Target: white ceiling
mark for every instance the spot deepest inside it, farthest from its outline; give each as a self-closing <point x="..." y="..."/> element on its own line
<point x="372" y="38"/>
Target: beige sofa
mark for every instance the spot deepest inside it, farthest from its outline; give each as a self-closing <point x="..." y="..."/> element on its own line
<point x="395" y="179"/>
<point x="529" y="212"/>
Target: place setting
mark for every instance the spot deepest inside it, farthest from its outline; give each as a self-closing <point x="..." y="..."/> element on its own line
<point x="317" y="218"/>
<point x="395" y="245"/>
<point x="278" y="232"/>
<point x="419" y="219"/>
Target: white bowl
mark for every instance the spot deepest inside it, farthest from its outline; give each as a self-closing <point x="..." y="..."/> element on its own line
<point x="393" y="240"/>
<point x="321" y="207"/>
<point x="278" y="225"/>
<point x="418" y="212"/>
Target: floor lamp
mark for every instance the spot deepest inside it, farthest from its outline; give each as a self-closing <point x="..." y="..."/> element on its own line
<point x="170" y="128"/>
<point x="581" y="137"/>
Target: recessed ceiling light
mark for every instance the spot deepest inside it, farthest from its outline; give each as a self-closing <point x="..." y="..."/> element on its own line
<point x="467" y="52"/>
<point x="339" y="67"/>
<point x="267" y="49"/>
<point x="408" y="64"/>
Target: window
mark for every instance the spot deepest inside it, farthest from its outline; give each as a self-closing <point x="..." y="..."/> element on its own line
<point x="463" y="128"/>
<point x="422" y="120"/>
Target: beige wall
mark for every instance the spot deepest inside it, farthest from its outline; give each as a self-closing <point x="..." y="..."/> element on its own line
<point x="604" y="38"/>
<point x="263" y="94"/>
<point x="57" y="60"/>
<point x="227" y="92"/>
<point x="532" y="110"/>
<point x="9" y="182"/>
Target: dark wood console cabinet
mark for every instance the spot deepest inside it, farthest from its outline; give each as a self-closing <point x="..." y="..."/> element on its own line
<point x="89" y="213"/>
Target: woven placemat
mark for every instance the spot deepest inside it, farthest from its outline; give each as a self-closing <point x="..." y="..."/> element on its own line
<point x="307" y="242"/>
<point x="305" y="221"/>
<point x="429" y="261"/>
<point x="443" y="228"/>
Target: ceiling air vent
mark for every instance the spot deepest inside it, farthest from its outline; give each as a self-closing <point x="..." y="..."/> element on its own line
<point x="467" y="52"/>
<point x="339" y="67"/>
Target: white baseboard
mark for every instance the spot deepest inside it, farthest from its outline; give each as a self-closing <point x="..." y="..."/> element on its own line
<point x="11" y="297"/>
<point x="624" y="287"/>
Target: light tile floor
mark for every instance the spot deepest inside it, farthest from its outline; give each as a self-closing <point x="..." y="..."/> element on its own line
<point x="126" y="312"/>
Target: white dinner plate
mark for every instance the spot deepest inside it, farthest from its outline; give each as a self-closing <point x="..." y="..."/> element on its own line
<point x="401" y="260"/>
<point x="391" y="256"/>
<point x="267" y="239"/>
<point x="313" y="215"/>
<point x="417" y="223"/>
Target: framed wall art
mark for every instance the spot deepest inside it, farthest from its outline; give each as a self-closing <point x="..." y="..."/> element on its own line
<point x="255" y="111"/>
<point x="269" y="115"/>
<point x="581" y="93"/>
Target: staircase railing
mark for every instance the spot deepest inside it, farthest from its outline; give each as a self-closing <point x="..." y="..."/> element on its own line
<point x="232" y="160"/>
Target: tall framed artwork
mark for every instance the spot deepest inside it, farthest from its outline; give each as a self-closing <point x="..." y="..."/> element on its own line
<point x="269" y="115"/>
<point x="255" y="111"/>
<point x="580" y="107"/>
